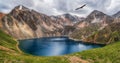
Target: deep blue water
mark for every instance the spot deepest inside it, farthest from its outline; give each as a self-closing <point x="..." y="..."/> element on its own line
<point x="53" y="46"/>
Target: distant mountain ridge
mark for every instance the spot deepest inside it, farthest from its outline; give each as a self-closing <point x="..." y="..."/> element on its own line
<point x="117" y="15"/>
<point x="67" y="19"/>
<point x="97" y="18"/>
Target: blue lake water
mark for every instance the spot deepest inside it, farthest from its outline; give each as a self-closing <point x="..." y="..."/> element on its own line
<point x="53" y="46"/>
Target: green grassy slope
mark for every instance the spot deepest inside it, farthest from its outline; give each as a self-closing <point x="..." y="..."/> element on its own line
<point x="107" y="54"/>
<point x="107" y="35"/>
<point x="10" y="54"/>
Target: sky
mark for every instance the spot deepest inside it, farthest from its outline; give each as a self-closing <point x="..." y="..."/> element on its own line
<point x="58" y="7"/>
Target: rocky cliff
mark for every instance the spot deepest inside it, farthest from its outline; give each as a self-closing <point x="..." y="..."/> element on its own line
<point x="109" y="34"/>
<point x="24" y="23"/>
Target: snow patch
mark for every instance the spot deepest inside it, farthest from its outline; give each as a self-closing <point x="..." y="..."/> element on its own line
<point x="20" y="8"/>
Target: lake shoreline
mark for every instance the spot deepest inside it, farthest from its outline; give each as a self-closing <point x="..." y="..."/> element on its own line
<point x="86" y="42"/>
<point x="77" y="40"/>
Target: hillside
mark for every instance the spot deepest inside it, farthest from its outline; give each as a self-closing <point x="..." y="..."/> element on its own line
<point x="11" y="54"/>
<point x="97" y="28"/>
<point x="109" y="34"/>
<point x="25" y="23"/>
<point x="107" y="54"/>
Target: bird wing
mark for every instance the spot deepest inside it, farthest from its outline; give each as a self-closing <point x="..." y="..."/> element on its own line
<point x="80" y="7"/>
<point x="83" y="6"/>
<point x="77" y="8"/>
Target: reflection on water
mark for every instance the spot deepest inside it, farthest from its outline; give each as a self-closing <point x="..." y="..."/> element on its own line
<point x="53" y="46"/>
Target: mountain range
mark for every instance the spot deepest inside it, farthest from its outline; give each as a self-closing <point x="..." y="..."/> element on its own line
<point x="25" y="23"/>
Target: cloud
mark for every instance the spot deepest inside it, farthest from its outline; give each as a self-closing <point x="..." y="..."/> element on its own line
<point x="113" y="7"/>
<point x="56" y="7"/>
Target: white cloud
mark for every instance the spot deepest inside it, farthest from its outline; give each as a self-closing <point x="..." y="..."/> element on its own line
<point x="113" y="7"/>
<point x="55" y="7"/>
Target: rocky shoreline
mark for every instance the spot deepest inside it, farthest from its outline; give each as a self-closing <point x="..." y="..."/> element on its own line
<point x="77" y="40"/>
<point x="85" y="41"/>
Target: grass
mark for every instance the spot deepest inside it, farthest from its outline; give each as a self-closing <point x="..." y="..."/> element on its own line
<point x="107" y="54"/>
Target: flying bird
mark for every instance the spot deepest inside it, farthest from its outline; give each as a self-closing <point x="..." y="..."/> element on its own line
<point x="80" y="7"/>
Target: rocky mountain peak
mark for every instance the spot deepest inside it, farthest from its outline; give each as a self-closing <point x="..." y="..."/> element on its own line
<point x="96" y="13"/>
<point x="22" y="23"/>
<point x="21" y="7"/>
<point x="73" y="18"/>
<point x="98" y="16"/>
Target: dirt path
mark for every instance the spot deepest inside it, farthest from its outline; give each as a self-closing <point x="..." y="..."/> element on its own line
<point x="6" y="49"/>
<point x="74" y="59"/>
